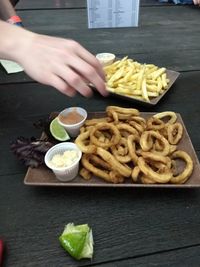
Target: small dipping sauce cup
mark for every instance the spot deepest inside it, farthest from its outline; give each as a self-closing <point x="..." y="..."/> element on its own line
<point x="72" y="119"/>
<point x="105" y="58"/>
<point x="64" y="167"/>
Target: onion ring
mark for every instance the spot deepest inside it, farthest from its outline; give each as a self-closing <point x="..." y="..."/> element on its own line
<point x="172" y="148"/>
<point x="149" y="172"/>
<point x="116" y="151"/>
<point x="147" y="180"/>
<point x="132" y="139"/>
<point x="182" y="177"/>
<point x="99" y="162"/>
<point x="146" y="145"/>
<point x="107" y="174"/>
<point x="172" y="116"/>
<point x="104" y="174"/>
<point x="135" y="174"/>
<point x="139" y="128"/>
<point x="85" y="173"/>
<point x="121" y="110"/>
<point x="154" y="123"/>
<point x="118" y="116"/>
<point x="139" y="120"/>
<point x="163" y="132"/>
<point x="105" y="126"/>
<point x="116" y="177"/>
<point x="116" y="165"/>
<point x="158" y="146"/>
<point x="175" y="133"/>
<point x="81" y="143"/>
<point x="155" y="157"/>
<point x="127" y="128"/>
<point x="146" y="142"/>
<point x="93" y="122"/>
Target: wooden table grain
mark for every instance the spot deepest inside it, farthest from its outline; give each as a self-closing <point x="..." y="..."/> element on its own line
<point x="131" y="227"/>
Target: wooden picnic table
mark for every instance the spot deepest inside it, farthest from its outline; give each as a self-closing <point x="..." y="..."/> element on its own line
<point x="131" y="226"/>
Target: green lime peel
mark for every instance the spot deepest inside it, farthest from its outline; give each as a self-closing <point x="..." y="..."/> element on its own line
<point x="77" y="241"/>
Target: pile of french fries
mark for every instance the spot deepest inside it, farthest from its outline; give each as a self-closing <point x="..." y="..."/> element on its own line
<point x="140" y="81"/>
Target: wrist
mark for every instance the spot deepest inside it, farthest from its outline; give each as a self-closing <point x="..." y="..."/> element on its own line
<point x="13" y="41"/>
<point x="15" y="20"/>
<point x="21" y="47"/>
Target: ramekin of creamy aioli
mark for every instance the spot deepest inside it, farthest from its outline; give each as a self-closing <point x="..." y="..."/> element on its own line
<point x="105" y="58"/>
<point x="72" y="119"/>
<point x="63" y="159"/>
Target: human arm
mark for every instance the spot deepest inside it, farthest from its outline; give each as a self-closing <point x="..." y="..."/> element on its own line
<point x="8" y="13"/>
<point x="196" y="2"/>
<point x="61" y="63"/>
<point x="6" y="10"/>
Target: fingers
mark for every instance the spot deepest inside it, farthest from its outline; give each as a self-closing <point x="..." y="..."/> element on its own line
<point x="196" y="2"/>
<point x="75" y="81"/>
<point x="89" y="73"/>
<point x="63" y="64"/>
<point x="89" y="58"/>
<point x="61" y="85"/>
<point x="80" y="66"/>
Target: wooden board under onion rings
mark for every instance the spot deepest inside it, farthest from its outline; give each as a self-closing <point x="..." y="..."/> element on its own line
<point x="44" y="177"/>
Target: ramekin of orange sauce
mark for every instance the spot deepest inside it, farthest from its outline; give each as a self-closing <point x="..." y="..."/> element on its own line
<point x="72" y="119"/>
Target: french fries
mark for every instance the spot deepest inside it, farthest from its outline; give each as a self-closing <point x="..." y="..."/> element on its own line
<point x="140" y="81"/>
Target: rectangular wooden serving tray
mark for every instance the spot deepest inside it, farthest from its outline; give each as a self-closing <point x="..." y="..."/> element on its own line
<point x="43" y="176"/>
<point x="171" y="75"/>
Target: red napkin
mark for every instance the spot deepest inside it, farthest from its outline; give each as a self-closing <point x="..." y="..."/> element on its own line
<point x="1" y="251"/>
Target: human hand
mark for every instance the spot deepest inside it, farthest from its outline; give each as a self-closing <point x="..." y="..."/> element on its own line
<point x="196" y="2"/>
<point x="61" y="63"/>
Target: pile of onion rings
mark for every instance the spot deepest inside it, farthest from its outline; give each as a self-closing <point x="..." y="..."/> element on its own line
<point x="123" y="145"/>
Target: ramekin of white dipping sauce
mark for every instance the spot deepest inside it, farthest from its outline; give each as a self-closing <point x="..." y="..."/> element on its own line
<point x="63" y="159"/>
<point x="105" y="58"/>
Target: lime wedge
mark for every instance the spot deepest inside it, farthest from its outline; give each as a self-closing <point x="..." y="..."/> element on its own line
<point x="77" y="240"/>
<point x="58" y="131"/>
<point x="73" y="243"/>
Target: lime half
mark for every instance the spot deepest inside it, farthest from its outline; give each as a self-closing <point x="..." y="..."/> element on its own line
<point x="58" y="131"/>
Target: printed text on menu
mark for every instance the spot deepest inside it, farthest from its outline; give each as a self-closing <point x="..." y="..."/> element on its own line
<point x="112" y="13"/>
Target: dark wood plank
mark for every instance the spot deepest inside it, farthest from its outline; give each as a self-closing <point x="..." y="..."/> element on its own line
<point x="175" y="61"/>
<point x="20" y="102"/>
<point x="163" y="37"/>
<point x="180" y="258"/>
<point x="127" y="224"/>
<point x="57" y="4"/>
<point x="50" y="4"/>
<point x="168" y="35"/>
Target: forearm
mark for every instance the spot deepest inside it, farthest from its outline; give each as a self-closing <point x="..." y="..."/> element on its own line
<point x="13" y="39"/>
<point x="14" y="2"/>
<point x="196" y="2"/>
<point x="58" y="62"/>
<point x="6" y="10"/>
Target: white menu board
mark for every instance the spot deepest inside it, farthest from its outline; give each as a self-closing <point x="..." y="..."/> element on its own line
<point x="112" y="13"/>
